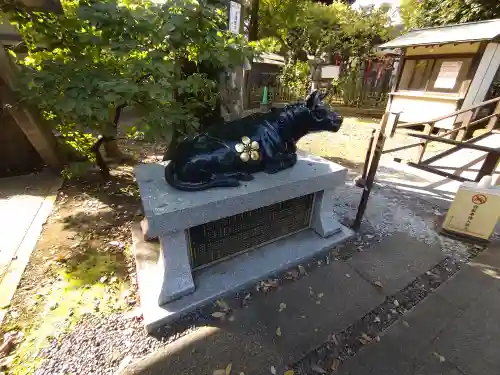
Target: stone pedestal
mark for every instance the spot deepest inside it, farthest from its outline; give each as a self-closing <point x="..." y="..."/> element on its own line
<point x="168" y="285"/>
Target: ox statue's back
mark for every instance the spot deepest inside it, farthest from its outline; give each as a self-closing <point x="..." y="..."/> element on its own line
<point x="223" y="155"/>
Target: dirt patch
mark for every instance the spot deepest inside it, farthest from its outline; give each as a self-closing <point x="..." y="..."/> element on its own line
<point x="82" y="264"/>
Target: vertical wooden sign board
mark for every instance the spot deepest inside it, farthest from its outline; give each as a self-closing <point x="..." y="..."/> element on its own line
<point x="234" y="17"/>
<point x="233" y="81"/>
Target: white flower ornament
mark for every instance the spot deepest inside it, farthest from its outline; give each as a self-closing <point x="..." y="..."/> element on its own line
<point x="248" y="149"/>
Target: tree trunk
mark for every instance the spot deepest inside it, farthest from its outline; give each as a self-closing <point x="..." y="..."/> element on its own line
<point x="110" y="142"/>
<point x="112" y="150"/>
<point x="253" y="29"/>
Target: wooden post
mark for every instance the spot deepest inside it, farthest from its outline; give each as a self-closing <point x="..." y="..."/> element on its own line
<point x="367" y="158"/>
<point x="489" y="165"/>
<point x="492" y="123"/>
<point x="421" y="149"/>
<point x="372" y="171"/>
<point x="35" y="130"/>
<point x="393" y="123"/>
<point x="463" y="133"/>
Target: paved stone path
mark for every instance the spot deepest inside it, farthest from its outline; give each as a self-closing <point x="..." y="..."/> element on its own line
<point x="25" y="203"/>
<point x="454" y="331"/>
<point x="250" y="342"/>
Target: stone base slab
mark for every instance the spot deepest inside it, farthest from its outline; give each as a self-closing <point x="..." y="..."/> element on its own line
<point x="169" y="210"/>
<point x="225" y="277"/>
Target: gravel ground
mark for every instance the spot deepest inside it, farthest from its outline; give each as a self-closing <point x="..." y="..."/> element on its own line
<point x="391" y="210"/>
<point x="102" y="345"/>
<point x="98" y="345"/>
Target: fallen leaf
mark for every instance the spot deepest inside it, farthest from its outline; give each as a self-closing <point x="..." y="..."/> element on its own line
<point x="278" y="331"/>
<point x="219" y="315"/>
<point x="335" y="364"/>
<point x="396" y="303"/>
<point x="273" y="370"/>
<point x="405" y="323"/>
<point x="364" y="339"/>
<point x="219" y="372"/>
<point x="289" y="372"/>
<point x="333" y="338"/>
<point x="440" y="357"/>
<point x="320" y="295"/>
<point x="228" y="368"/>
<point x="379" y="284"/>
<point x="302" y="270"/>
<point x="222" y="304"/>
<point x="282" y="307"/>
<point x="103" y="279"/>
<point x="318" y="369"/>
<point x="272" y="283"/>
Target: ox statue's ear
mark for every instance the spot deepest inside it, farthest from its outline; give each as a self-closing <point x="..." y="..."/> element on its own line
<point x="312" y="99"/>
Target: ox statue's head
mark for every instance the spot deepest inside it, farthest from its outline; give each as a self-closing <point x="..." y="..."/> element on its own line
<point x="323" y="118"/>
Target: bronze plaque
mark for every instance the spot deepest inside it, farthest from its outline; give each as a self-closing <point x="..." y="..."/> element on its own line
<point x="232" y="235"/>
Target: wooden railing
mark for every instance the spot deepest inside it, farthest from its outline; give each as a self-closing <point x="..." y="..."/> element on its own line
<point x="456" y="136"/>
<point x="389" y="127"/>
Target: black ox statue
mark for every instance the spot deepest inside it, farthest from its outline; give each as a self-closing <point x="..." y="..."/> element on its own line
<point x="224" y="155"/>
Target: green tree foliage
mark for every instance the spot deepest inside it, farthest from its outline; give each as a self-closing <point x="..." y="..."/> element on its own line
<point x="425" y="13"/>
<point x="306" y="28"/>
<point x="84" y="65"/>
<point x="315" y="32"/>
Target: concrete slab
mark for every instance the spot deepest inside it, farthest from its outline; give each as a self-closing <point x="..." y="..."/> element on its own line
<point x="400" y="344"/>
<point x="472" y="340"/>
<point x="479" y="276"/>
<point x="416" y="328"/>
<point x="466" y="286"/>
<point x="250" y="341"/>
<point x="225" y="277"/>
<point x="168" y="209"/>
<point x="25" y="204"/>
<point x="325" y="302"/>
<point x="428" y="363"/>
<point x="396" y="261"/>
<point x="387" y="357"/>
<point x="209" y="349"/>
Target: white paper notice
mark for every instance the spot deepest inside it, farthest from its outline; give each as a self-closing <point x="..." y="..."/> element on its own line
<point x="234" y="17"/>
<point x="448" y="73"/>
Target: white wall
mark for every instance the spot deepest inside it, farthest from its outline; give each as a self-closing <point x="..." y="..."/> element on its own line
<point x="485" y="73"/>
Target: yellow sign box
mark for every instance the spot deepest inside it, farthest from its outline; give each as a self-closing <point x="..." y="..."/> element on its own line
<point x="474" y="211"/>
